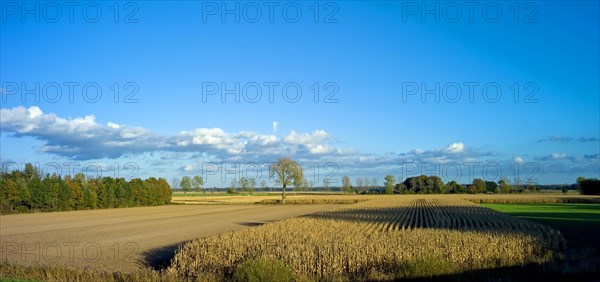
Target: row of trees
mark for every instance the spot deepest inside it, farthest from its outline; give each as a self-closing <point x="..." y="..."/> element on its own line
<point x="26" y="190"/>
<point x="287" y="172"/>
<point x="188" y="183"/>
<point x="435" y="185"/>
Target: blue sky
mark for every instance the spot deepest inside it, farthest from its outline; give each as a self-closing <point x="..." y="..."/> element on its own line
<point x="366" y="58"/>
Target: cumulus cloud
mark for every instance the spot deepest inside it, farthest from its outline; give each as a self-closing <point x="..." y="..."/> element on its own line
<point x="453" y="152"/>
<point x="84" y="138"/>
<point x="312" y="142"/>
<point x="455" y="148"/>
<point x="188" y="168"/>
<point x="112" y="125"/>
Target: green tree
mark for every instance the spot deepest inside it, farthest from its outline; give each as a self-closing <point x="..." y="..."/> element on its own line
<point x="504" y="185"/>
<point x="138" y="193"/>
<point x="166" y="191"/>
<point x="9" y="194"/>
<point x="186" y="184"/>
<point x="286" y="172"/>
<point x="390" y="183"/>
<point x="65" y="200"/>
<point x="301" y="186"/>
<point x="346" y="184"/>
<point x="23" y="189"/>
<point x="245" y="185"/>
<point x="588" y="186"/>
<point x="175" y="182"/>
<point x="122" y="193"/>
<point x="479" y="185"/>
<point x="454" y="188"/>
<point x="491" y="187"/>
<point x="91" y="193"/>
<point x="108" y="186"/>
<point x="78" y="186"/>
<point x="31" y="172"/>
<point x="197" y="183"/>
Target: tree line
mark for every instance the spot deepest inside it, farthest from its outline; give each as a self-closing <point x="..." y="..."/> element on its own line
<point x="23" y="191"/>
<point x="431" y="184"/>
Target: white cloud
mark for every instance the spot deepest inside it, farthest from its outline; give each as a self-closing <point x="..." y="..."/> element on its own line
<point x="518" y="159"/>
<point x="84" y="138"/>
<point x="558" y="156"/>
<point x="307" y="138"/>
<point x="34" y="112"/>
<point x="275" y="126"/>
<point x="113" y="125"/>
<point x="455" y="148"/>
<point x="313" y="142"/>
<point x="189" y="168"/>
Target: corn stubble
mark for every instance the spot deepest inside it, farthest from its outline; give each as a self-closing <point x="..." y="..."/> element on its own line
<point x="387" y="238"/>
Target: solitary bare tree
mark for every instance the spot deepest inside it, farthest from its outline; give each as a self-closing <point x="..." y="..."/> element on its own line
<point x="287" y="172"/>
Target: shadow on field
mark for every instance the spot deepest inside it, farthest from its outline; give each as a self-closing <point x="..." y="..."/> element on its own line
<point x="160" y="258"/>
<point x="559" y="270"/>
<point x="462" y="218"/>
<point x="251" y="224"/>
<point x="579" y="262"/>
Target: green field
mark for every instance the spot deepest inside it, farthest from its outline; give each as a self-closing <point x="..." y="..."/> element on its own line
<point x="580" y="223"/>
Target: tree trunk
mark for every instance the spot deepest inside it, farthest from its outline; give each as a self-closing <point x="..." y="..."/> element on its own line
<point x="283" y="196"/>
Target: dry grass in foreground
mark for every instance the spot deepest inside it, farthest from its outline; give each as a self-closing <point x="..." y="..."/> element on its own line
<point x="386" y="238"/>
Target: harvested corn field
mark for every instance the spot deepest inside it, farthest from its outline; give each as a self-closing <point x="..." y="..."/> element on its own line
<point x="386" y="238"/>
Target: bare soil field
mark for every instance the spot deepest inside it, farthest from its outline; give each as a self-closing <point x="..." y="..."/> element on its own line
<point x="126" y="239"/>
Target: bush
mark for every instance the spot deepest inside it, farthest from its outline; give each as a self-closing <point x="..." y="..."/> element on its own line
<point x="263" y="269"/>
<point x="589" y="186"/>
<point x="426" y="267"/>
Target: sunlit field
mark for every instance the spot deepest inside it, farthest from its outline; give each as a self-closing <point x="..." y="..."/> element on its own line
<point x="387" y="238"/>
<point x="376" y="237"/>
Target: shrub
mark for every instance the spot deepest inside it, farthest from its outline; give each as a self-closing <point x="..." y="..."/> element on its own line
<point x="589" y="186"/>
<point x="263" y="269"/>
<point x="426" y="267"/>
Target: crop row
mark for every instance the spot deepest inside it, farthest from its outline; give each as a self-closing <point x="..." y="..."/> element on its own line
<point x="379" y="239"/>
